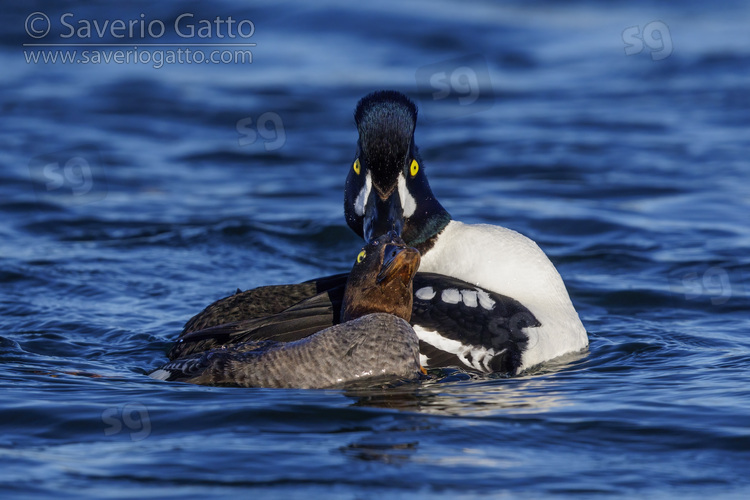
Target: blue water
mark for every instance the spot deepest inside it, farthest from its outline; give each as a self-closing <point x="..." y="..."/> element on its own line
<point x="132" y="196"/>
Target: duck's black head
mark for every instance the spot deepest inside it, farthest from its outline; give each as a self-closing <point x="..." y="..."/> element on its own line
<point x="381" y="279"/>
<point x="386" y="189"/>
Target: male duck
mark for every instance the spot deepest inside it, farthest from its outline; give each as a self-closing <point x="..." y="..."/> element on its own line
<point x="486" y="298"/>
<point x="373" y="342"/>
<point x="387" y="188"/>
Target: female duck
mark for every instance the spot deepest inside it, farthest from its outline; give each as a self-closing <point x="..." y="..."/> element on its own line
<point x="374" y="340"/>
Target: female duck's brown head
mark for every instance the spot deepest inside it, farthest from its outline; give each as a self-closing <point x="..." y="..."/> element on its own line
<point x="381" y="279"/>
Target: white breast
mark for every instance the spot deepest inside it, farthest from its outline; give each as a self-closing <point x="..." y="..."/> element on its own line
<point x="506" y="262"/>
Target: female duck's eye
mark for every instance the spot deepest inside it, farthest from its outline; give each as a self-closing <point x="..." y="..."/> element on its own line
<point x="414" y="168"/>
<point x="361" y="256"/>
<point x="357" y="167"/>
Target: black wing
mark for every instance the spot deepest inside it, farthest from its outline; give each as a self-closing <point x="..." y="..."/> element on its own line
<point x="245" y="321"/>
<point x="261" y="302"/>
<point x="488" y="325"/>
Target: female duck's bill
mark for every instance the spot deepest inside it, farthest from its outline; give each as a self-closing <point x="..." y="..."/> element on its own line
<point x="374" y="342"/>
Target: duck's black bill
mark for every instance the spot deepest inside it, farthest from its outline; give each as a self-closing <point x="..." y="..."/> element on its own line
<point x="383" y="216"/>
<point x="399" y="261"/>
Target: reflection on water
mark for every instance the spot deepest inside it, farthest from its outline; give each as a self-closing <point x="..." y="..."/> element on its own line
<point x="458" y="393"/>
<point x="395" y="453"/>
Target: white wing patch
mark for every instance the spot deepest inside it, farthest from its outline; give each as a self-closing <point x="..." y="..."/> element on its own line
<point x="160" y="374"/>
<point x="480" y="356"/>
<point x="422" y="359"/>
<point x="364" y="193"/>
<point x="469" y="297"/>
<point x="485" y="301"/>
<point x="451" y="296"/>
<point x="408" y="204"/>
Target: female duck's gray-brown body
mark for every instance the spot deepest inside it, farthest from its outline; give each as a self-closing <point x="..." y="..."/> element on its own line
<point x="373" y="341"/>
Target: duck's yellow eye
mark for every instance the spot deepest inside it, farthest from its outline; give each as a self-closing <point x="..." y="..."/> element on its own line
<point x="361" y="256"/>
<point x="357" y="166"/>
<point x="414" y="168"/>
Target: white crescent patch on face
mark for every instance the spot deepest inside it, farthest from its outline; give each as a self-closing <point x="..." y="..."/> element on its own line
<point x="408" y="204"/>
<point x="364" y="193"/>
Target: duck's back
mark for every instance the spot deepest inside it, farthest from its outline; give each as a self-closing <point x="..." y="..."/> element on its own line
<point x="508" y="263"/>
<point x="373" y="346"/>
